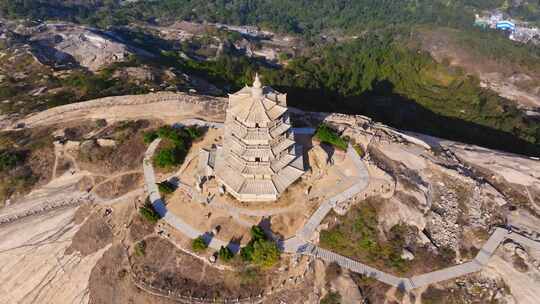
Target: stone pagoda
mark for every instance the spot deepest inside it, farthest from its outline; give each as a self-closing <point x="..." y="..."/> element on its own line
<point x="259" y="157"/>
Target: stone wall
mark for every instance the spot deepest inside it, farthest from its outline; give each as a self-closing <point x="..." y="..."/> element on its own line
<point x="58" y="113"/>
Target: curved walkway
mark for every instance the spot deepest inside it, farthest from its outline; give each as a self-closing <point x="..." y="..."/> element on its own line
<point x="161" y="209"/>
<point x="482" y="258"/>
<point x="305" y="233"/>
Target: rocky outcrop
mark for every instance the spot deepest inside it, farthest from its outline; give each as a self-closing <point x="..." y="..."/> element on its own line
<point x="66" y="45"/>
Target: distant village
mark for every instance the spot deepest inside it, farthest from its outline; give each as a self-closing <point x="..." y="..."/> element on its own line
<point x="517" y="30"/>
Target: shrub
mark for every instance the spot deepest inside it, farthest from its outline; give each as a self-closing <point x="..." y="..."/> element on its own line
<point x="166" y="187"/>
<point x="260" y="251"/>
<point x="327" y="135"/>
<point x="357" y="236"/>
<point x="331" y="298"/>
<point x="148" y="213"/>
<point x="198" y="244"/>
<point x="140" y="248"/>
<point x="448" y="255"/>
<point x="149" y="137"/>
<point x="169" y="157"/>
<point x="225" y="254"/>
<point x="434" y="295"/>
<point x="100" y="123"/>
<point x="10" y="159"/>
<point x="265" y="253"/>
<point x="333" y="270"/>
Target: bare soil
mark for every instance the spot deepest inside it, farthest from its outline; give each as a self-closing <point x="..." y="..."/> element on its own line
<point x="139" y="228"/>
<point x="119" y="186"/>
<point x="110" y="281"/>
<point x="168" y="268"/>
<point x="127" y="155"/>
<point x="94" y="235"/>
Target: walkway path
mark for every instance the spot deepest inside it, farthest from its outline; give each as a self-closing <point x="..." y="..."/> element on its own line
<point x="305" y="233"/>
<point x="482" y="258"/>
<point x="161" y="209"/>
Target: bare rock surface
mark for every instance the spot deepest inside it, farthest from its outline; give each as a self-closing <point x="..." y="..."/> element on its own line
<point x="62" y="44"/>
<point x="34" y="267"/>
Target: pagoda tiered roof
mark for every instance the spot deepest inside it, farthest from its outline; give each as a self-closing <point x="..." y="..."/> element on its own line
<point x="259" y="158"/>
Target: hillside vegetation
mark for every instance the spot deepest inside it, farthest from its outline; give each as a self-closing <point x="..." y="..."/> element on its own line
<point x="306" y="17"/>
<point x="406" y="88"/>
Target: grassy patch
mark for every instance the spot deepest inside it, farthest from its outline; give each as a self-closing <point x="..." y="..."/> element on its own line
<point x="327" y="135"/>
<point x="359" y="150"/>
<point x="356" y="235"/>
<point x="140" y="248"/>
<point x="26" y="158"/>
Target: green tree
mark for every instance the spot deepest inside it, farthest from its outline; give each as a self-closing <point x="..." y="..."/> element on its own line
<point x="265" y="253"/>
<point x="166" y="187"/>
<point x="148" y="213"/>
<point x="260" y="250"/>
<point x="149" y="137"/>
<point x="199" y="244"/>
<point x="327" y="135"/>
<point x="225" y="254"/>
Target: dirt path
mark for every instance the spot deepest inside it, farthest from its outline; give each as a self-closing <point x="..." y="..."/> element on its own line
<point x="112" y="177"/>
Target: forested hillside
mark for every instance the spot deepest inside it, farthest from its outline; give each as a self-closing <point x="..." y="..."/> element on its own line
<point x="381" y="78"/>
<point x="303" y="16"/>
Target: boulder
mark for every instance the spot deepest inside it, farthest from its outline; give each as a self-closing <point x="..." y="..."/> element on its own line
<point x="318" y="158"/>
<point x="407" y="255"/>
<point x="522" y="253"/>
<point x="103" y="142"/>
<point x="510" y="247"/>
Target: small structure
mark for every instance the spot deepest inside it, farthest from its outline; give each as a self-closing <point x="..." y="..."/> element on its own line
<point x="506" y="26"/>
<point x="259" y="157"/>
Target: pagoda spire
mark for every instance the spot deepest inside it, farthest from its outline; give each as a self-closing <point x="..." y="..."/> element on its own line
<point x="256" y="89"/>
<point x="257" y="82"/>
